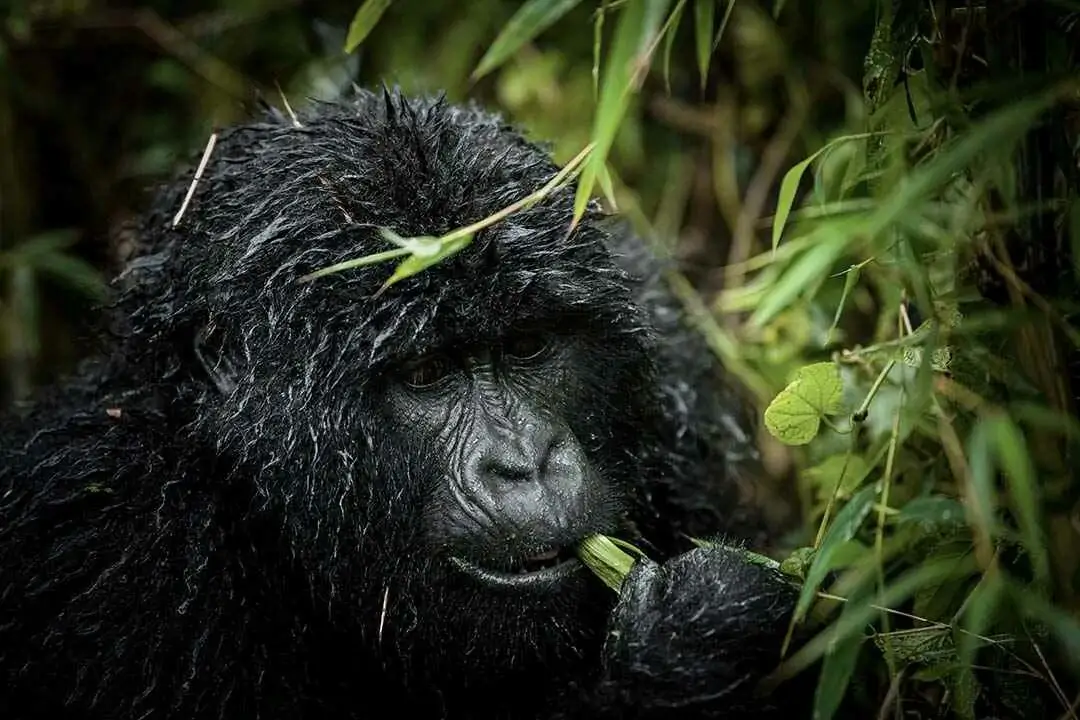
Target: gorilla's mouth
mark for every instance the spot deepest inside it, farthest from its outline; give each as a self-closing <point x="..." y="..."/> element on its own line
<point x="543" y="567"/>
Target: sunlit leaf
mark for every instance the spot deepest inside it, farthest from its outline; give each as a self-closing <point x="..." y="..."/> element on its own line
<point x="794" y="415"/>
<point x="364" y="21"/>
<point x="789" y="185"/>
<point x="636" y="26"/>
<point x="531" y="19"/>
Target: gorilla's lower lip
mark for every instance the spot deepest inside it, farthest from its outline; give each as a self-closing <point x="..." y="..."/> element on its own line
<point x="521" y="578"/>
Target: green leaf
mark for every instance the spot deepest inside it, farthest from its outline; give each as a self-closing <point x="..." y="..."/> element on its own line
<point x="836" y="671"/>
<point x="704" y="19"/>
<point x="364" y="21"/>
<point x="842" y="473"/>
<point x="1064" y="627"/>
<point x="932" y="512"/>
<point x="669" y="41"/>
<point x="794" y="415"/>
<point x="45" y="243"/>
<point x="73" y="272"/>
<point x="965" y="691"/>
<point x="1016" y="462"/>
<point x="789" y="185"/>
<point x="998" y="132"/>
<point x="25" y="305"/>
<point x="1046" y="418"/>
<point x="843" y="528"/>
<point x="531" y="19"/>
<point x="636" y="26"/>
<point x="422" y="245"/>
<point x="828" y="245"/>
<point x="983" y="497"/>
<point x="979" y="610"/>
<point x="723" y="24"/>
<point x="852" y="623"/>
<point x="851" y="279"/>
<point x="925" y="645"/>
<point x="797" y="564"/>
<point x="416" y="263"/>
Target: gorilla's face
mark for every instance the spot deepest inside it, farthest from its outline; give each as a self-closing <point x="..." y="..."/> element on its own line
<point x="523" y="477"/>
<point x="527" y="443"/>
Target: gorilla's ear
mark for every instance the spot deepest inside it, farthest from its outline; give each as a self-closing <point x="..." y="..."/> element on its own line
<point x="214" y="362"/>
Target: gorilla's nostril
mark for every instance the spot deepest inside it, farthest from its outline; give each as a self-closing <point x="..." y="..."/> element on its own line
<point x="501" y="469"/>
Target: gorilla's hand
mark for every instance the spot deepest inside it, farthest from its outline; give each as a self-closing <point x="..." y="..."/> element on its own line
<point x="692" y="637"/>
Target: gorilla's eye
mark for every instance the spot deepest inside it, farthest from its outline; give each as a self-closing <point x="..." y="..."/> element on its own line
<point x="526" y="347"/>
<point x="428" y="371"/>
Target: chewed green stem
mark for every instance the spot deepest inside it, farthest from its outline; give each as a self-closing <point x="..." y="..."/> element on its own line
<point x="607" y="559"/>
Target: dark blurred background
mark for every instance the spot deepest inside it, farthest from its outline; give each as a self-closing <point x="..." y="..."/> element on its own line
<point x="100" y="100"/>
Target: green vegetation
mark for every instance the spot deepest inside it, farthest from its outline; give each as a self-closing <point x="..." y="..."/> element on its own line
<point x="876" y="204"/>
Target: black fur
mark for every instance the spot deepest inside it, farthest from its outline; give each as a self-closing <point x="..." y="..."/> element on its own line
<point x="248" y="542"/>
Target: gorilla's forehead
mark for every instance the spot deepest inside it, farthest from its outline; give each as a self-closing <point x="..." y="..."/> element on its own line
<point x="282" y="199"/>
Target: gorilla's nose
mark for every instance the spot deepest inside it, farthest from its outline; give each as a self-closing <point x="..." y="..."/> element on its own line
<point x="532" y="478"/>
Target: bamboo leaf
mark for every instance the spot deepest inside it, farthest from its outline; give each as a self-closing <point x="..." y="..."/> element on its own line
<point x="531" y="19"/>
<point x="635" y="28"/>
<point x="364" y="21"/>
<point x="704" y="19"/>
<point x="843" y="528"/>
<point x="669" y="41"/>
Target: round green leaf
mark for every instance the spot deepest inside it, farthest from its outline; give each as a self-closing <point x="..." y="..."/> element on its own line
<point x="794" y="415"/>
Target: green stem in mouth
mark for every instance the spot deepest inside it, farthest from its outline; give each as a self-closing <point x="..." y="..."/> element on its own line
<point x="607" y="558"/>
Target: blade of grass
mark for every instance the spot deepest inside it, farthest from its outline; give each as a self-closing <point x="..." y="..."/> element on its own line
<point x="634" y="28"/>
<point x="364" y="21"/>
<point x="531" y="19"/>
<point x="704" y="19"/>
<point x="789" y="184"/>
<point x="669" y="42"/>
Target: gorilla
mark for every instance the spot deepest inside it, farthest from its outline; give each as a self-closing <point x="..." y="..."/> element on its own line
<point x="271" y="496"/>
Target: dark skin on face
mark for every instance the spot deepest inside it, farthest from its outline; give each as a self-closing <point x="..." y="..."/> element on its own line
<point x="519" y="491"/>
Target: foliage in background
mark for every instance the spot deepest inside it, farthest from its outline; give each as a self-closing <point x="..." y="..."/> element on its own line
<point x="874" y="207"/>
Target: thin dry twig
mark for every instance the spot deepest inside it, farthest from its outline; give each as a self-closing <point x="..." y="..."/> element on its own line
<point x="195" y="180"/>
